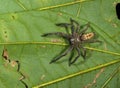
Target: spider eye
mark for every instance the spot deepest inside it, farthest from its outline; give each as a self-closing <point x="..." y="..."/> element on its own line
<point x="118" y="10"/>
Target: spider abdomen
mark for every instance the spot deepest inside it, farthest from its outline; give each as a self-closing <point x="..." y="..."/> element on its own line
<point x="87" y="36"/>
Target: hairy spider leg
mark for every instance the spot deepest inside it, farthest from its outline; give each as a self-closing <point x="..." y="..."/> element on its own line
<point x="78" y="28"/>
<point x="71" y="56"/>
<point x="70" y="60"/>
<point x="63" y="54"/>
<point x="72" y="29"/>
<point x="83" y="54"/>
<point x="74" y="23"/>
<point x="92" y="41"/>
<point x="72" y="26"/>
<point x="85" y="29"/>
<point x="65" y="25"/>
<point x="56" y="33"/>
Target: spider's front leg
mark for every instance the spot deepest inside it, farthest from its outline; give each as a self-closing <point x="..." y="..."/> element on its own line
<point x="85" y="29"/>
<point x="56" y="33"/>
<point x="65" y="25"/>
<point x="63" y="54"/>
<point x="74" y="26"/>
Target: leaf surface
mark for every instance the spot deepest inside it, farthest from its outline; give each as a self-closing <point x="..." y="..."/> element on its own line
<point x="22" y="22"/>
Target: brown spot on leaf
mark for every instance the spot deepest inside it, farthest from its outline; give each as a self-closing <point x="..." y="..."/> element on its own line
<point x="5" y="54"/>
<point x="55" y="40"/>
<point x="95" y="79"/>
<point x="13" y="63"/>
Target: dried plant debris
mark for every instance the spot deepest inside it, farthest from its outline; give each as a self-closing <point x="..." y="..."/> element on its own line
<point x="5" y="55"/>
<point x="14" y="63"/>
<point x="21" y="79"/>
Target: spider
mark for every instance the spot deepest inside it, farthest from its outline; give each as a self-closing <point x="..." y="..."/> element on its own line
<point x="76" y="40"/>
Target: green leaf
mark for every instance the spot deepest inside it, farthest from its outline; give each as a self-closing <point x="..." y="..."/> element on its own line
<point x="22" y="22"/>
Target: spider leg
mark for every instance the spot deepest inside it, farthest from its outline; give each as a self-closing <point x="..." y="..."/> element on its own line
<point x="72" y="29"/>
<point x="78" y="28"/>
<point x="71" y="56"/>
<point x="74" y="23"/>
<point x="83" y="54"/>
<point x="56" y="33"/>
<point x="70" y="60"/>
<point x="65" y="25"/>
<point x="92" y="41"/>
<point x="85" y="29"/>
<point x="63" y="54"/>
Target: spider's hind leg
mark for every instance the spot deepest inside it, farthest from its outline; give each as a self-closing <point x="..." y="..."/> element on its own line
<point x="83" y="54"/>
<point x="63" y="54"/>
<point x="70" y="60"/>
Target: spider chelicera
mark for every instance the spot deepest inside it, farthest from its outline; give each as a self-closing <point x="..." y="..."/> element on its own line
<point x="76" y="39"/>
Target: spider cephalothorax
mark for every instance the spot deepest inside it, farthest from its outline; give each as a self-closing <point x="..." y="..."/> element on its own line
<point x="77" y="38"/>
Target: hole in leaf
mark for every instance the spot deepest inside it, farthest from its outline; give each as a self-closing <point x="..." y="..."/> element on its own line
<point x="118" y="10"/>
